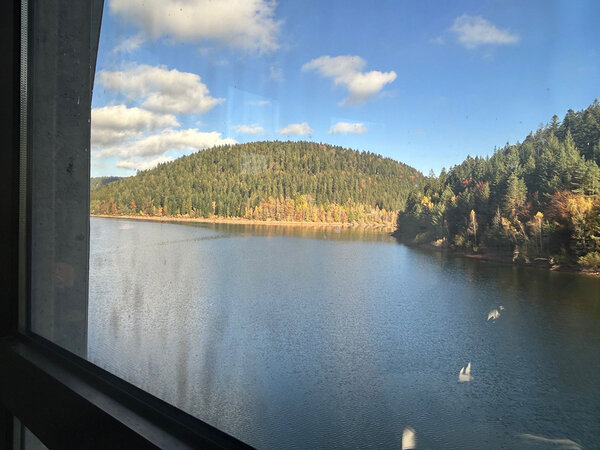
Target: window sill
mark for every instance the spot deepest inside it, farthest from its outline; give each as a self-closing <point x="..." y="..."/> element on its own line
<point x="70" y="403"/>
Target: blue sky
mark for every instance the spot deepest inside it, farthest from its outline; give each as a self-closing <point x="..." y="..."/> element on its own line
<point x="426" y="83"/>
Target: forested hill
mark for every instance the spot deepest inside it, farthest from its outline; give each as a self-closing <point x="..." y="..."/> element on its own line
<point x="96" y="182"/>
<point x="272" y="180"/>
<point x="538" y="198"/>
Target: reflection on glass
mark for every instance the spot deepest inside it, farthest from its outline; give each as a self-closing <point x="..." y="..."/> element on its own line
<point x="465" y="374"/>
<point x="409" y="439"/>
<point x="543" y="442"/>
<point x="493" y="314"/>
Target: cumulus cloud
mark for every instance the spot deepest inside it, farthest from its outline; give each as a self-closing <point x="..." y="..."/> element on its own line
<point x="114" y="124"/>
<point x="187" y="140"/>
<point x="249" y="25"/>
<point x="347" y="127"/>
<point x="347" y="71"/>
<point x="296" y="129"/>
<point x="142" y="136"/>
<point x="162" y="90"/>
<point x="473" y="31"/>
<point x="249" y="129"/>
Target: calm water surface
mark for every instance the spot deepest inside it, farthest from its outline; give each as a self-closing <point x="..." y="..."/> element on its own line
<point x="300" y="338"/>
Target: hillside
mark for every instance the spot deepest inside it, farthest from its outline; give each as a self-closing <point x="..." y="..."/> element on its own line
<point x="539" y="198"/>
<point x="96" y="182"/>
<point x="295" y="181"/>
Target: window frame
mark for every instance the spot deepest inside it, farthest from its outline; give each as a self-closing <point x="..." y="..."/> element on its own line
<point x="65" y="400"/>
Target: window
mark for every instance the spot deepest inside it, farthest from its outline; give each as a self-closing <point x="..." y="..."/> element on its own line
<point x="238" y="278"/>
<point x="277" y="335"/>
<point x="49" y="52"/>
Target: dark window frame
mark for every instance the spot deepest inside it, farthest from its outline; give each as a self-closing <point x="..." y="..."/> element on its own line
<point x="66" y="401"/>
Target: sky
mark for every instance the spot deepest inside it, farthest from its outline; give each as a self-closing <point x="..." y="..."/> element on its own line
<point x="425" y="83"/>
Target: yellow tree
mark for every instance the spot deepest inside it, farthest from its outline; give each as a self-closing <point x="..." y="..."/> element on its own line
<point x="473" y="225"/>
<point x="539" y="220"/>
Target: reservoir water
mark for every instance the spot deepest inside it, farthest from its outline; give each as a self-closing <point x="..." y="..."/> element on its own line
<point x="327" y="338"/>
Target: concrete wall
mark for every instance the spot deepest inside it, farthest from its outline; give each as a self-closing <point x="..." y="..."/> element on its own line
<point x="64" y="43"/>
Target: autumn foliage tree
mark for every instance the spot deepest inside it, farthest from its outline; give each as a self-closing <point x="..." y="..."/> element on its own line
<point x="541" y="195"/>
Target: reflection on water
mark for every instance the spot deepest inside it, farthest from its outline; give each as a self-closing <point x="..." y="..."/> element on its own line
<point x="317" y="338"/>
<point x="326" y="232"/>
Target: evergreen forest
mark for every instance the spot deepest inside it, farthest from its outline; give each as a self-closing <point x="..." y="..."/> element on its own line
<point x="283" y="181"/>
<point x="538" y="199"/>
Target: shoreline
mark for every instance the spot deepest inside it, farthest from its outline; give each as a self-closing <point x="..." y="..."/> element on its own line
<point x="504" y="259"/>
<point x="241" y="221"/>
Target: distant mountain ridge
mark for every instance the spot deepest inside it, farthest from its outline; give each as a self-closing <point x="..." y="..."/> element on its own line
<point x="269" y="180"/>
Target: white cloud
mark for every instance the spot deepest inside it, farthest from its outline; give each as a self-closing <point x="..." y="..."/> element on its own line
<point x="347" y="127"/>
<point x="187" y="140"/>
<point x="130" y="44"/>
<point x="347" y="71"/>
<point x="114" y="124"/>
<point x="245" y="24"/>
<point x="162" y="90"/>
<point x="296" y="129"/>
<point x="143" y="165"/>
<point x="249" y="129"/>
<point x="473" y="31"/>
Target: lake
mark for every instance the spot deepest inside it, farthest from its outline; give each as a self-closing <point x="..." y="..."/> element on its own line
<point x="321" y="338"/>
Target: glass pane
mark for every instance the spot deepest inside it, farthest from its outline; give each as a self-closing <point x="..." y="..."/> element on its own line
<point x="250" y="162"/>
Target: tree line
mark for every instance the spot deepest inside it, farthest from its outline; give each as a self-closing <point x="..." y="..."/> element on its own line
<point x="270" y="180"/>
<point x="535" y="199"/>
